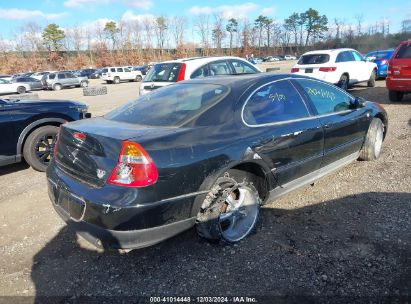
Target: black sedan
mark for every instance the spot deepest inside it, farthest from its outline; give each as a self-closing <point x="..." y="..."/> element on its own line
<point x="29" y="129"/>
<point x="205" y="152"/>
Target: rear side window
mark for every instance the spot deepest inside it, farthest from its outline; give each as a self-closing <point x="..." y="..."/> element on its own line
<point x="61" y="76"/>
<point x="70" y="75"/>
<point x="219" y="68"/>
<point x="163" y="72"/>
<point x="242" y="67"/>
<point x="327" y="99"/>
<point x="344" y="57"/>
<point x="170" y="106"/>
<point x="404" y="51"/>
<point x="120" y="70"/>
<point x="275" y="102"/>
<point x="52" y="76"/>
<point x="314" y="59"/>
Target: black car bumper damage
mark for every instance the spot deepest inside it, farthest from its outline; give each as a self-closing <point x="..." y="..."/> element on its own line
<point x="134" y="225"/>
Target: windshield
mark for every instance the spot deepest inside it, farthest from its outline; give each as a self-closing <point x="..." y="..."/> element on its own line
<point x="163" y="72"/>
<point x="380" y="55"/>
<point x="170" y="106"/>
<point x="314" y="59"/>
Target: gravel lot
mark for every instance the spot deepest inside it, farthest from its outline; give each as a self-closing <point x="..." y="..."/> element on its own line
<point x="348" y="235"/>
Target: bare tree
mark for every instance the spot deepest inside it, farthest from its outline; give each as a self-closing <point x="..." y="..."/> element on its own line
<point x="202" y="26"/>
<point x="160" y="28"/>
<point x="359" y="18"/>
<point x="177" y="28"/>
<point x="218" y="33"/>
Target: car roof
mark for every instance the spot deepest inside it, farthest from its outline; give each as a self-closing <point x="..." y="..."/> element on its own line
<point x="329" y="52"/>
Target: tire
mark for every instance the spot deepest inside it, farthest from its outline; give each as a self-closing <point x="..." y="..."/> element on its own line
<point x="139" y="78"/>
<point x="116" y="80"/>
<point x="343" y="82"/>
<point x="57" y="87"/>
<point x="371" y="148"/>
<point x="395" y="96"/>
<point x="39" y="147"/>
<point x="84" y="84"/>
<point x="21" y="90"/>
<point x="216" y="222"/>
<point x="371" y="81"/>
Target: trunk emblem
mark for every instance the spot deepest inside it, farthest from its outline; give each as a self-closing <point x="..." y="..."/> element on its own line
<point x="100" y="173"/>
<point x="79" y="136"/>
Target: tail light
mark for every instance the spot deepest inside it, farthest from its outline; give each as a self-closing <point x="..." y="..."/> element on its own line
<point x="182" y="72"/>
<point x="295" y="70"/>
<point x="328" y="69"/>
<point x="384" y="62"/>
<point x="108" y="75"/>
<point x="134" y="168"/>
<point x="56" y="149"/>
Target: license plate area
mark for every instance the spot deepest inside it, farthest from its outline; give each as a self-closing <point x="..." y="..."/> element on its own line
<point x="308" y="70"/>
<point x="73" y="205"/>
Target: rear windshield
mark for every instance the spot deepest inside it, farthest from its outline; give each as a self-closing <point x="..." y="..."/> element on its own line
<point x="170" y="106"/>
<point x="163" y="72"/>
<point x="314" y="59"/>
<point x="404" y="51"/>
<point x="384" y="55"/>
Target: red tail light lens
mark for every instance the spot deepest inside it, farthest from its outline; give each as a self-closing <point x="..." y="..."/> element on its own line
<point x="295" y="70"/>
<point x="56" y="149"/>
<point x="182" y="72"/>
<point x="134" y="168"/>
<point x="328" y="69"/>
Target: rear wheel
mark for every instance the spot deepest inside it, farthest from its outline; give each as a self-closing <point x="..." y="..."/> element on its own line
<point x="21" y="90"/>
<point x="116" y="80"/>
<point x="57" y="87"/>
<point x="343" y="82"/>
<point x="395" y="95"/>
<point x="39" y="147"/>
<point x="371" y="81"/>
<point x="371" y="149"/>
<point x="139" y="78"/>
<point x="230" y="211"/>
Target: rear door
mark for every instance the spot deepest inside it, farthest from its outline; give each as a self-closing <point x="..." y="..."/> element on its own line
<point x="61" y="78"/>
<point x="344" y="127"/>
<point x="290" y="137"/>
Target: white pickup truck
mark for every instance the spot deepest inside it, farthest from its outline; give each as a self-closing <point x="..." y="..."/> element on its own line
<point x="118" y="74"/>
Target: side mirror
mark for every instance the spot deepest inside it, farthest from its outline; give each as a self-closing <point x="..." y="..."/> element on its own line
<point x="359" y="102"/>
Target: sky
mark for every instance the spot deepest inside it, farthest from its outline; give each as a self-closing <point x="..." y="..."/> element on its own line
<point x="70" y="13"/>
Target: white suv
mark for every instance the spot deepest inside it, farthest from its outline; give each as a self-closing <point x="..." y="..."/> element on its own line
<point x="169" y="72"/>
<point x="117" y="74"/>
<point x="343" y="67"/>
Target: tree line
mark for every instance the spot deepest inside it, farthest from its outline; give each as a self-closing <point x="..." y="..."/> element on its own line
<point x="137" y="41"/>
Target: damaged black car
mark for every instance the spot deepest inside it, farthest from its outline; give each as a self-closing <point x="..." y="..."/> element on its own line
<point x="205" y="153"/>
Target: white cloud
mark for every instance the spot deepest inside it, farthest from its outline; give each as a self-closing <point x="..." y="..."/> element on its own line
<point x="21" y="14"/>
<point x="129" y="16"/>
<point x="227" y="11"/>
<point x="142" y="4"/>
<point x="267" y="11"/>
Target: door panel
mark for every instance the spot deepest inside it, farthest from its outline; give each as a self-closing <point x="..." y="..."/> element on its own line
<point x="8" y="141"/>
<point x="290" y="139"/>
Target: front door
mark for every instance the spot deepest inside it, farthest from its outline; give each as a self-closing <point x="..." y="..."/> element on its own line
<point x="8" y="140"/>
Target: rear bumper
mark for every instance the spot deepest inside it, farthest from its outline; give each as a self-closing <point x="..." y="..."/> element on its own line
<point x="398" y="84"/>
<point x="117" y="217"/>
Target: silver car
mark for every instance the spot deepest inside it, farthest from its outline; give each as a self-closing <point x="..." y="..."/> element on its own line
<point x="59" y="80"/>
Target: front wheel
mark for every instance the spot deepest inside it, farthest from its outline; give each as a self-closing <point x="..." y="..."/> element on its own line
<point x="230" y="210"/>
<point x="139" y="78"/>
<point x="21" y="90"/>
<point x="116" y="80"/>
<point x="371" y="148"/>
<point x="84" y="84"/>
<point x="39" y="147"/>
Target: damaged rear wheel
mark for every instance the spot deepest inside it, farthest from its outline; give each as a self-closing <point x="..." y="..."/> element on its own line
<point x="230" y="210"/>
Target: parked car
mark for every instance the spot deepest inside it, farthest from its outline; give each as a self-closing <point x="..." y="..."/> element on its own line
<point x="289" y="57"/>
<point x="169" y="72"/>
<point x="205" y="152"/>
<point x="343" y="67"/>
<point x="8" y="87"/>
<point x="143" y="69"/>
<point x="381" y="59"/>
<point x="271" y="59"/>
<point x="117" y="74"/>
<point x="33" y="83"/>
<point x="97" y="74"/>
<point x="89" y="73"/>
<point x="60" y="80"/>
<point x="398" y="79"/>
<point x="29" y="129"/>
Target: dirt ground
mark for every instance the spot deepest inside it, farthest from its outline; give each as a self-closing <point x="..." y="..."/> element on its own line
<point x="349" y="235"/>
